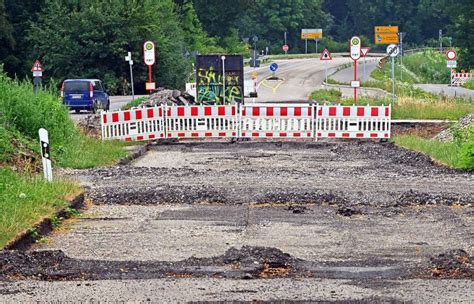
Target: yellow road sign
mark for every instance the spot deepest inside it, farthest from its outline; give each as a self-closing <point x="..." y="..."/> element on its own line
<point x="386" y="29"/>
<point x="386" y="38"/>
<point x="311" y="34"/>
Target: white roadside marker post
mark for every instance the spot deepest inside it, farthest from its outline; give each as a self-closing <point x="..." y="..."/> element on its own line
<point x="46" y="154"/>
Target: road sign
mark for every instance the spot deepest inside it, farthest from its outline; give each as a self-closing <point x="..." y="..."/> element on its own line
<point x="273" y="67"/>
<point x="451" y="55"/>
<point x="364" y="51"/>
<point x="37" y="67"/>
<point x="325" y="55"/>
<point x="452" y="64"/>
<point x="311" y="34"/>
<point x="386" y="35"/>
<point x="355" y="47"/>
<point x="386" y="29"/>
<point x="149" y="86"/>
<point x="386" y="38"/>
<point x="393" y="50"/>
<point x="285" y="48"/>
<point x="37" y="74"/>
<point x="355" y="83"/>
<point x="149" y="53"/>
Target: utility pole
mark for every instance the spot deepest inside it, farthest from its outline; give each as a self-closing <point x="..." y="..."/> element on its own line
<point x="255" y="39"/>
<point x="441" y="41"/>
<point x="401" y="34"/>
<point x="130" y="61"/>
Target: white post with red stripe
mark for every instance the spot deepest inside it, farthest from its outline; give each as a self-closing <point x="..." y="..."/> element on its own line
<point x="201" y="121"/>
<point x="277" y="121"/>
<point x="134" y="124"/>
<point x="353" y="121"/>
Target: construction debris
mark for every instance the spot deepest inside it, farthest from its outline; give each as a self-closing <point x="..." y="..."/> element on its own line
<point x="168" y="97"/>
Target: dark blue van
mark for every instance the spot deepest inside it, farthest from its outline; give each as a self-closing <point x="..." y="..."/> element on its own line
<point x="84" y="94"/>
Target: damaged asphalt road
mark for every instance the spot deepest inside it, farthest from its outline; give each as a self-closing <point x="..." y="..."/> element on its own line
<point x="351" y="173"/>
<point x="353" y="221"/>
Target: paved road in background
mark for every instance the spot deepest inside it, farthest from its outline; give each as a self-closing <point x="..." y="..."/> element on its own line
<point x="347" y="75"/>
<point x="297" y="79"/>
<point x="444" y="89"/>
<point x="116" y="102"/>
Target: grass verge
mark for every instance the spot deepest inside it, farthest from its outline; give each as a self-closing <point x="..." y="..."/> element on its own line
<point x="405" y="107"/>
<point x="446" y="153"/>
<point x="86" y="152"/>
<point x="134" y="103"/>
<point x="24" y="197"/>
<point x="24" y="200"/>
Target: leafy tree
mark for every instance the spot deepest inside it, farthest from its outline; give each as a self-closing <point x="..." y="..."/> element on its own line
<point x="89" y="38"/>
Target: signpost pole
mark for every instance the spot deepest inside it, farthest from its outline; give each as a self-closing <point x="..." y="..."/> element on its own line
<point x="365" y="79"/>
<point x="149" y="77"/>
<point x="131" y="79"/>
<point x="393" y="80"/>
<point x="316" y="45"/>
<point x="355" y="78"/>
<point x="306" y="46"/>
<point x="326" y="70"/>
<point x="223" y="79"/>
<point x="401" y="55"/>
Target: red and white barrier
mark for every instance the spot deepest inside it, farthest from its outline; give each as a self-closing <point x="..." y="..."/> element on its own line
<point x="353" y="121"/>
<point x="134" y="124"/>
<point x="201" y="121"/>
<point x="248" y="121"/>
<point x="277" y="121"/>
<point x="459" y="79"/>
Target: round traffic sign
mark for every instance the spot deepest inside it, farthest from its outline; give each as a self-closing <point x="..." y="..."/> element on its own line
<point x="273" y="67"/>
<point x="451" y="55"/>
<point x="285" y="47"/>
<point x="393" y="50"/>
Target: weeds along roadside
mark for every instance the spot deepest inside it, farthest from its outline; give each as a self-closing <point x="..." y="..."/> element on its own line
<point x="24" y="197"/>
<point x="456" y="154"/>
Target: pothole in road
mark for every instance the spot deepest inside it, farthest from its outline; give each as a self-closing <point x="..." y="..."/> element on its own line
<point x="245" y="263"/>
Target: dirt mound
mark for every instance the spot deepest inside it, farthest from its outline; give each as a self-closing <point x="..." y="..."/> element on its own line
<point x="455" y="263"/>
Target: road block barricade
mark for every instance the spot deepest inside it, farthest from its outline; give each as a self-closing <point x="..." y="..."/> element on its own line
<point x="276" y="121"/>
<point x="248" y="121"/>
<point x="201" y="121"/>
<point x="459" y="79"/>
<point x="134" y="124"/>
<point x="353" y="121"/>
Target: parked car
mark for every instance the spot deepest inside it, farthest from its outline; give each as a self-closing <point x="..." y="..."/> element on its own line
<point x="85" y="94"/>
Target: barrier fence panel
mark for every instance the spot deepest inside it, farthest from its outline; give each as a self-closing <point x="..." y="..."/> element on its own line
<point x="353" y="121"/>
<point x="248" y="121"/>
<point x="201" y="121"/>
<point x="276" y="121"/>
<point x="133" y="124"/>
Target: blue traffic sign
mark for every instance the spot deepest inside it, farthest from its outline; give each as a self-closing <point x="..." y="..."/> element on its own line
<point x="273" y="67"/>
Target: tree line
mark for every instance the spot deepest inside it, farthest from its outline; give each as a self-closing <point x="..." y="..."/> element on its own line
<point x="90" y="38"/>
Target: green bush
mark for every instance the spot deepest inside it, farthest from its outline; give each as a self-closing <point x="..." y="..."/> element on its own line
<point x="470" y="84"/>
<point x="27" y="112"/>
<point x="466" y="151"/>
<point x="331" y="95"/>
<point x="24" y="113"/>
